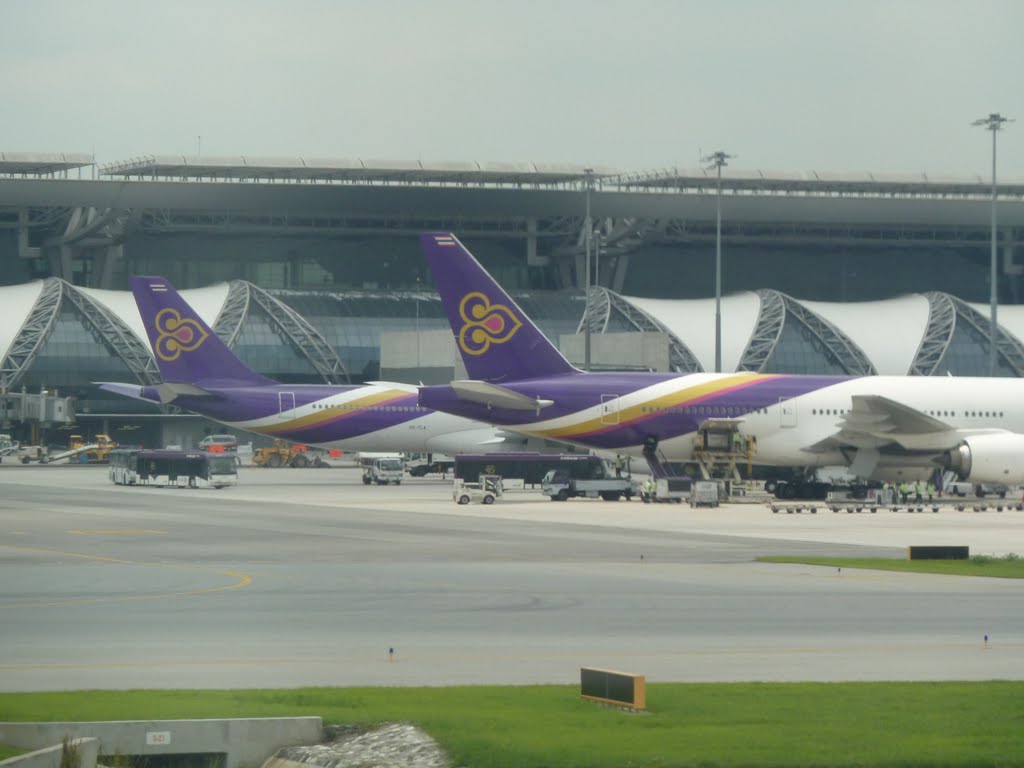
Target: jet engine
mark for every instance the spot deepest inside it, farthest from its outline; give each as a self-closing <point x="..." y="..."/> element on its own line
<point x="995" y="459"/>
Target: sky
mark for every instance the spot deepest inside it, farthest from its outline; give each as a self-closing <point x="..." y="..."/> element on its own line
<point x="885" y="86"/>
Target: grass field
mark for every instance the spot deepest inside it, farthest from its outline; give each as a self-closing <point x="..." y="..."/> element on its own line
<point x="1009" y="567"/>
<point x="743" y="724"/>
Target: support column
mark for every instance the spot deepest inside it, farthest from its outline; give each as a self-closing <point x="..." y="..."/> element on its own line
<point x="23" y="252"/>
<point x="581" y="269"/>
<point x="619" y="276"/>
<point x="66" y="265"/>
<point x="533" y="259"/>
<point x="1012" y="271"/>
<point x="107" y="262"/>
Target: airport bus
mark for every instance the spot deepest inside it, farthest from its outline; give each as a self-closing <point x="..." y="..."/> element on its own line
<point x="530" y="468"/>
<point x="167" y="468"/>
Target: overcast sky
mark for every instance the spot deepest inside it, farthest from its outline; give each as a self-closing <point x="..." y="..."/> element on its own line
<point x="794" y="85"/>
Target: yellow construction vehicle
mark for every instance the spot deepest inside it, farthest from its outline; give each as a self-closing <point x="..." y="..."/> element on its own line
<point x="281" y="454"/>
<point x="82" y="451"/>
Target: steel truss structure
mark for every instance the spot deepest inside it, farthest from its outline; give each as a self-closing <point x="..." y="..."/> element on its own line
<point x="778" y="308"/>
<point x="294" y="328"/>
<point x="601" y="302"/>
<point x="105" y="326"/>
<point x="938" y="333"/>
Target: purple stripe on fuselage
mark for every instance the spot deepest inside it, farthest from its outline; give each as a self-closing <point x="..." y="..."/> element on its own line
<point x="245" y="404"/>
<point x="576" y="393"/>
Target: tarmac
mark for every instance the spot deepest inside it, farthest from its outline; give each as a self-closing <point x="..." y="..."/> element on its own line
<point x="307" y="577"/>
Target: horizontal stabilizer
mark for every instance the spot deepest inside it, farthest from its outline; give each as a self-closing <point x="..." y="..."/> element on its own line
<point x="136" y="391"/>
<point x="498" y="439"/>
<point x="495" y="396"/>
<point x="169" y="391"/>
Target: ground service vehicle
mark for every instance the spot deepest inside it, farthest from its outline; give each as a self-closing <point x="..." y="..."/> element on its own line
<point x="529" y="468"/>
<point x="422" y="464"/>
<point x="282" y="454"/>
<point x="8" y="447"/>
<point x="383" y="471"/>
<point x="81" y="451"/>
<point x="486" y="491"/>
<point x="226" y="442"/>
<point x="704" y="493"/>
<point x="169" y="468"/>
<point x="560" y="485"/>
<point x="664" y="490"/>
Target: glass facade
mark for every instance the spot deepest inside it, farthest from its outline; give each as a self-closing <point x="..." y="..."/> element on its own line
<point x="967" y="354"/>
<point x="262" y="348"/>
<point x="800" y="351"/>
<point x="353" y="323"/>
<point x="74" y="356"/>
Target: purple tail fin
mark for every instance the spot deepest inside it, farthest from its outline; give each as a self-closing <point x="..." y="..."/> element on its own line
<point x="185" y="348"/>
<point x="498" y="342"/>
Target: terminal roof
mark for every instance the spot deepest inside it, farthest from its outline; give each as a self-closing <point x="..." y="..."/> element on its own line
<point x="42" y="164"/>
<point x="352" y="170"/>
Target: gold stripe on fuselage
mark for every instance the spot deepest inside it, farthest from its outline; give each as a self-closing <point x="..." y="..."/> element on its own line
<point x="333" y="412"/>
<point x="674" y="399"/>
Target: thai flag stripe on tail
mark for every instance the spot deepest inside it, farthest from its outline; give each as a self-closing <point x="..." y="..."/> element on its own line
<point x="445" y="240"/>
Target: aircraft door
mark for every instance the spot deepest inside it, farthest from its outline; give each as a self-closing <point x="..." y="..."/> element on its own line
<point x="285" y="404"/>
<point x="609" y="409"/>
<point x="787" y="413"/>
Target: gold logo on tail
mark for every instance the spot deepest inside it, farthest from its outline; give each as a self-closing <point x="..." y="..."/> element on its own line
<point x="176" y="335"/>
<point x="484" y="324"/>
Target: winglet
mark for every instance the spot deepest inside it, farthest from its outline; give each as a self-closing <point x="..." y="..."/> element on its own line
<point x="496" y="339"/>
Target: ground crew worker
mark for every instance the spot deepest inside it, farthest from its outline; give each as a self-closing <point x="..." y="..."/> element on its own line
<point x="618" y="465"/>
<point x="930" y="491"/>
<point x="737" y="442"/>
<point x="904" y="491"/>
<point x="917" y="491"/>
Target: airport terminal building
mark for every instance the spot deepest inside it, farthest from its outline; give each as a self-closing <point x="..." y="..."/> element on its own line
<point x="311" y="271"/>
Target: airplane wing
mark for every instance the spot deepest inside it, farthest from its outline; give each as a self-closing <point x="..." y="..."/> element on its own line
<point x="496" y="396"/>
<point x="875" y="421"/>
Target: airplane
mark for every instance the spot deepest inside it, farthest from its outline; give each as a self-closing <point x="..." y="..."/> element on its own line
<point x="200" y="374"/>
<point x="879" y="427"/>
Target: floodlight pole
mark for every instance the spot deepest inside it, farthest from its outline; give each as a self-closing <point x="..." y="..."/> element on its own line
<point x="993" y="123"/>
<point x="717" y="160"/>
<point x="588" y="182"/>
